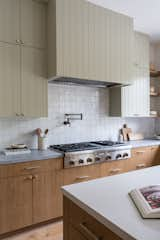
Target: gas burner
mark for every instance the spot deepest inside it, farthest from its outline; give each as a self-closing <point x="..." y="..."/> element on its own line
<point x="109" y="143"/>
<point x="74" y="147"/>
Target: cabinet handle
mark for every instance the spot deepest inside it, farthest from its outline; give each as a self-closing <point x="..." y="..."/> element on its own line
<point x="17" y="115"/>
<point x="140" y="152"/>
<point x="31" y="168"/>
<point x="82" y="177"/>
<point x="22" y="114"/>
<point x="35" y="177"/>
<point x="141" y="165"/>
<point x="18" y="41"/>
<point x="28" y="177"/>
<point x="89" y="232"/>
<point x="116" y="170"/>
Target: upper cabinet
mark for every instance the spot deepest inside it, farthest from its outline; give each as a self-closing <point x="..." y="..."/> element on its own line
<point x="89" y="42"/>
<point x="23" y="22"/>
<point x="141" y="50"/>
<point x="9" y="80"/>
<point x="23" y="75"/>
<point x="9" y="21"/>
<point x="33" y="23"/>
<point x="134" y="100"/>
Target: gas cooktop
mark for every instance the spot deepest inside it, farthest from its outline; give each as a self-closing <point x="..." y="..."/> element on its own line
<point x="75" y="147"/>
<point x="109" y="143"/>
<point x="85" y="146"/>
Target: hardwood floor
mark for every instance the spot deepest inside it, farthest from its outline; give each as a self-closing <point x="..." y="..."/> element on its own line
<point x="52" y="231"/>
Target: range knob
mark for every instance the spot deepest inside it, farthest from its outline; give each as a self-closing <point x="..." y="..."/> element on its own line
<point x="125" y="155"/>
<point x="72" y="163"/>
<point x="97" y="159"/>
<point x="81" y="161"/>
<point x="118" y="156"/>
<point x="89" y="160"/>
<point x="108" y="157"/>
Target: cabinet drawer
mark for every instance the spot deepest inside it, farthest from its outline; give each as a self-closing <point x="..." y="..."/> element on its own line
<point x="19" y="169"/>
<point x="112" y="168"/>
<point x="88" y="226"/>
<point x="80" y="174"/>
<point x="143" y="157"/>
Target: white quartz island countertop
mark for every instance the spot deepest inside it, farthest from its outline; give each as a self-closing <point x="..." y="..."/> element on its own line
<point x="108" y="201"/>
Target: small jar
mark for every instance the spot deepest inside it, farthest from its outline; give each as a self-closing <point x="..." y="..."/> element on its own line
<point x="42" y="143"/>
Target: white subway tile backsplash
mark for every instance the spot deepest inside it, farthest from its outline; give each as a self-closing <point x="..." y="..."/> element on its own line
<point x="96" y="125"/>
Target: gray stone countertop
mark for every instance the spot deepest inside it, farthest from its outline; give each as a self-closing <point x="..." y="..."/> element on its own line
<point x="33" y="156"/>
<point x="144" y="143"/>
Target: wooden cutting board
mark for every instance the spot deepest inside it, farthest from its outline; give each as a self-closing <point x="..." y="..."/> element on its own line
<point x="125" y="132"/>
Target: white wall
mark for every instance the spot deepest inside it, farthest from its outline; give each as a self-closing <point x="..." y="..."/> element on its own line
<point x="92" y="102"/>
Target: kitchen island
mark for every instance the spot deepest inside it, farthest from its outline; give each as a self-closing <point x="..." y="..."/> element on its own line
<point x="102" y="209"/>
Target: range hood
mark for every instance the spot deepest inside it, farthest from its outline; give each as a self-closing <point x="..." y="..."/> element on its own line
<point x="82" y="82"/>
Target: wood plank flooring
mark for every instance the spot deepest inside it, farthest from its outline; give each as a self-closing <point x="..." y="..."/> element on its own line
<point x="52" y="231"/>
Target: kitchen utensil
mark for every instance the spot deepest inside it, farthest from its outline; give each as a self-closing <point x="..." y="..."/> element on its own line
<point x="125" y="132"/>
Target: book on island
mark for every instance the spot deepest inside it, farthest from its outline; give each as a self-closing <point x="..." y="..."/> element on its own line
<point x="147" y="200"/>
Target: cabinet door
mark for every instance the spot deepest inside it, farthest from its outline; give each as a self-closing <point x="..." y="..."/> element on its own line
<point x="9" y="80"/>
<point x="9" y="21"/>
<point x="141" y="158"/>
<point x="112" y="168"/>
<point x="15" y="203"/>
<point x="34" y="83"/>
<point x="72" y="38"/>
<point x="141" y="50"/>
<point x="80" y="174"/>
<point x="47" y="202"/>
<point x="135" y="98"/>
<point x="33" y="23"/>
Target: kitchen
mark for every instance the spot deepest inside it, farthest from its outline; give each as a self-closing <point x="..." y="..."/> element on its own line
<point x="81" y="72"/>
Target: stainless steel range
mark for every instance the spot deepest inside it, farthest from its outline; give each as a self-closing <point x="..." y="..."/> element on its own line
<point x="81" y="154"/>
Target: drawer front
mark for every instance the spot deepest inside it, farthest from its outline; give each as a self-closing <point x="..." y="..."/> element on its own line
<point x="81" y="174"/>
<point x="112" y="168"/>
<point x="30" y="167"/>
<point x="88" y="226"/>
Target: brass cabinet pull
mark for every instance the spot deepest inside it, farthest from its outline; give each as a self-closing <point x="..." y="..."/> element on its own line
<point x="140" y="152"/>
<point x="18" y="41"/>
<point x="31" y="168"/>
<point x="28" y="177"/>
<point x="142" y="165"/>
<point x="35" y="177"/>
<point x="89" y="232"/>
<point x="116" y="170"/>
<point x="82" y="177"/>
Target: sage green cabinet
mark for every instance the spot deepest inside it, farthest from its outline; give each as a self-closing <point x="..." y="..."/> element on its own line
<point x="23" y="75"/>
<point x="33" y="83"/>
<point x="134" y="100"/>
<point x="9" y="80"/>
<point x="33" y="23"/>
<point x="89" y="42"/>
<point x="9" y="21"/>
<point x="23" y="22"/>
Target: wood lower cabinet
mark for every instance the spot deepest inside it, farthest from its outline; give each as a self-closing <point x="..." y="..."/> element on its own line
<point x="15" y="203"/>
<point x="80" y="174"/>
<point x="46" y="196"/>
<point x="79" y="225"/>
<point x="143" y="157"/>
<point x="112" y="168"/>
<point x="31" y="194"/>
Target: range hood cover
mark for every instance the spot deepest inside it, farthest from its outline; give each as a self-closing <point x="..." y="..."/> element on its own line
<point x="80" y="82"/>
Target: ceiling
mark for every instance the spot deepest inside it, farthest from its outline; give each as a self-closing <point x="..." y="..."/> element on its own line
<point x="146" y="14"/>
